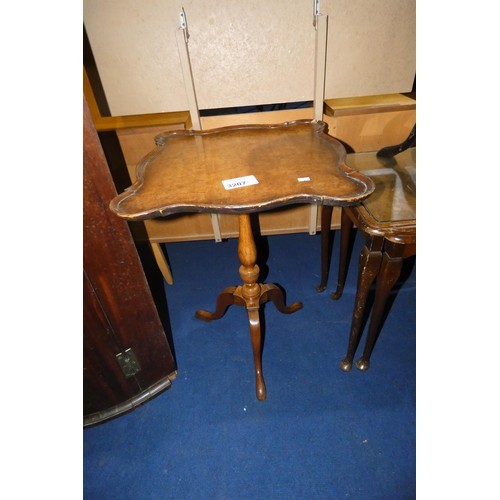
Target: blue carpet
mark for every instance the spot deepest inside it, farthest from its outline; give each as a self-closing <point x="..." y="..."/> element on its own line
<point x="321" y="433"/>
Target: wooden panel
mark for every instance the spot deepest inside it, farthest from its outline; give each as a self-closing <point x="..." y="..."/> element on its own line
<point x="365" y="105"/>
<point x="104" y="384"/>
<point x="247" y="53"/>
<point x="372" y="131"/>
<point x="286" y="220"/>
<point x="198" y="226"/>
<point x="268" y="117"/>
<point x="294" y="219"/>
<point x="180" y="228"/>
<point x="119" y="311"/>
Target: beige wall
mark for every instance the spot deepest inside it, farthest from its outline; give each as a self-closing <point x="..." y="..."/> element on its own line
<point x="247" y="52"/>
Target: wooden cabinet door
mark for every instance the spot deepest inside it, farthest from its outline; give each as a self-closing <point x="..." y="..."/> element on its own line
<point x="126" y="355"/>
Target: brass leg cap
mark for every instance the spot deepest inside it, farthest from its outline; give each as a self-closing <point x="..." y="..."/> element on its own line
<point x="362" y="364"/>
<point x="346" y="365"/>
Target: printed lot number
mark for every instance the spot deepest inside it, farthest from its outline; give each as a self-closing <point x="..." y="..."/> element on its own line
<point x="239" y="182"/>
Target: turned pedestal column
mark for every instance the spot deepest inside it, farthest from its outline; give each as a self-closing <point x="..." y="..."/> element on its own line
<point x="250" y="294"/>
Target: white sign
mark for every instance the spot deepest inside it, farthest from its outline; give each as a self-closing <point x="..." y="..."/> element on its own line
<point x="239" y="182"/>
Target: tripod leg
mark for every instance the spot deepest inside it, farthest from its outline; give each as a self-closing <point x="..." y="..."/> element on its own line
<point x="225" y="299"/>
<point x="275" y="295"/>
<point x="256" y="337"/>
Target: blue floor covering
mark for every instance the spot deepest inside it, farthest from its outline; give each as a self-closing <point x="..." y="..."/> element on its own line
<point x="320" y="434"/>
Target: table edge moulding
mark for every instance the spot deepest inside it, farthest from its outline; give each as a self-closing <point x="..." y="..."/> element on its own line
<point x="241" y="170"/>
<point x="302" y="195"/>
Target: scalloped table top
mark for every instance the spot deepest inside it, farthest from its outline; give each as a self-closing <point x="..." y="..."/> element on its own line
<point x="242" y="169"/>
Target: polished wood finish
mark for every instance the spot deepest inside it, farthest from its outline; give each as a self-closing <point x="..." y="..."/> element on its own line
<point x="350" y="106"/>
<point x="277" y="155"/>
<point x="387" y="221"/>
<point x="119" y="310"/>
<point x="364" y="124"/>
<point x="136" y="143"/>
<point x="296" y="162"/>
<point x="251" y="295"/>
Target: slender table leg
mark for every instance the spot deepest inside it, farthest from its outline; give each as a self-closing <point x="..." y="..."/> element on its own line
<point x="326" y="220"/>
<point x="251" y="294"/>
<point x="346" y="226"/>
<point x="390" y="270"/>
<point x="369" y="265"/>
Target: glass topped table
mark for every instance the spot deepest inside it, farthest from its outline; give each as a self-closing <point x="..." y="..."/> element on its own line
<point x="393" y="203"/>
<point x="387" y="220"/>
<point x="243" y="169"/>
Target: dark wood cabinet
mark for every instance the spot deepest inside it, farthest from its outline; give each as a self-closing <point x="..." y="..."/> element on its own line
<point x="127" y="358"/>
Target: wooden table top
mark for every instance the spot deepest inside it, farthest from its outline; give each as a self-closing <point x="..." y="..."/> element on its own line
<point x="242" y="169"/>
